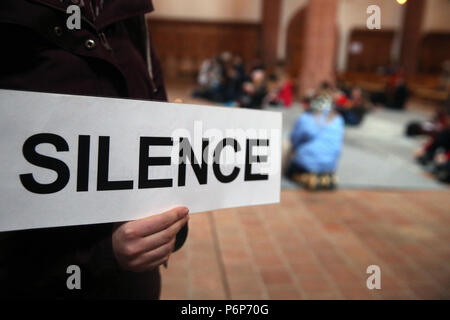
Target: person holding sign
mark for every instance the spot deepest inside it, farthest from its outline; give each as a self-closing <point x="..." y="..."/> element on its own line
<point x="109" y="55"/>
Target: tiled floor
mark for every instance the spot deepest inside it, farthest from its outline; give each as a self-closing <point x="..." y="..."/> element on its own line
<point x="318" y="246"/>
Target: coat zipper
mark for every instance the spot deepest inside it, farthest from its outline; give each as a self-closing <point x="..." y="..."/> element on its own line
<point x="148" y="54"/>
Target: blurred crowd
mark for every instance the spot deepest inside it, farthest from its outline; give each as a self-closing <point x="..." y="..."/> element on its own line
<point x="316" y="139"/>
<point x="225" y="79"/>
<point x="312" y="156"/>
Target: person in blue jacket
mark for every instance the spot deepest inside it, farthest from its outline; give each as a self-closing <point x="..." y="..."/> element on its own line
<point x="316" y="144"/>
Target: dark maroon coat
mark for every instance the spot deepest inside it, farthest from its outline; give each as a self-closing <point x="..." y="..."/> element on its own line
<point x="111" y="56"/>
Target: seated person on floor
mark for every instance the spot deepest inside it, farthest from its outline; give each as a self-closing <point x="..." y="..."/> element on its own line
<point x="281" y="93"/>
<point x="351" y="108"/>
<point x="254" y="91"/>
<point x="210" y="79"/>
<point x="316" y="144"/>
<point x="395" y="94"/>
<point x="436" y="153"/>
<point x="430" y="127"/>
<point x="234" y="77"/>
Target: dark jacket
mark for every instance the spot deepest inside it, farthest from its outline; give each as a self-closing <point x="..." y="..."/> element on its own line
<point x="111" y="56"/>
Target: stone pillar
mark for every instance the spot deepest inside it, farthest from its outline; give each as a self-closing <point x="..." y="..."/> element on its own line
<point x="271" y="11"/>
<point x="411" y="34"/>
<point x="318" y="60"/>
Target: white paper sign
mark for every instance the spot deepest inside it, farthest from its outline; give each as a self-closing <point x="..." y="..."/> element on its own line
<point x="70" y="160"/>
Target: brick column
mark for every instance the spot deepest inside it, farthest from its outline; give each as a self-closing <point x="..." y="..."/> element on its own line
<point x="318" y="61"/>
<point x="411" y="33"/>
<point x="269" y="32"/>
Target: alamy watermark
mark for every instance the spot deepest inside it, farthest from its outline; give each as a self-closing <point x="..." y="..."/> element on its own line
<point x="374" y="19"/>
<point x="73" y="22"/>
<point x="74" y="279"/>
<point x="374" y="280"/>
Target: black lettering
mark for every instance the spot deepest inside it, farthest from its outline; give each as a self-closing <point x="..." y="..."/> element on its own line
<point x="216" y="163"/>
<point x="103" y="169"/>
<point x="83" y="163"/>
<point x="30" y="154"/>
<point x="201" y="172"/>
<point x="145" y="161"/>
<point x="250" y="158"/>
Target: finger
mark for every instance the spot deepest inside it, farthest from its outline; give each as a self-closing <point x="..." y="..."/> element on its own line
<point x="153" y="224"/>
<point x="154" y="255"/>
<point x="158" y="239"/>
<point x="155" y="264"/>
<point x="150" y="266"/>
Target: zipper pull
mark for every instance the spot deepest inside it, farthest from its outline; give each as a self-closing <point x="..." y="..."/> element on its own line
<point x="152" y="83"/>
<point x="104" y="41"/>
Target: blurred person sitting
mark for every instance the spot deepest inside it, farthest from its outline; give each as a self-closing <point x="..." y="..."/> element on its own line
<point x="220" y="79"/>
<point x="210" y="79"/>
<point x="430" y="127"/>
<point x="281" y="94"/>
<point x="234" y="77"/>
<point x="316" y="141"/>
<point x="436" y="152"/>
<point x="351" y="108"/>
<point x="441" y="160"/>
<point x="204" y="74"/>
<point x="254" y="90"/>
<point x="395" y="94"/>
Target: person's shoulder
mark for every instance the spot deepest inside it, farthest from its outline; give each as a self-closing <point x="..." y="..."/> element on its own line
<point x="306" y="120"/>
<point x="305" y="116"/>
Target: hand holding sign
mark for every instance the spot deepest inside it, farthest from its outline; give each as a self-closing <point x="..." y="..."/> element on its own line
<point x="144" y="244"/>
